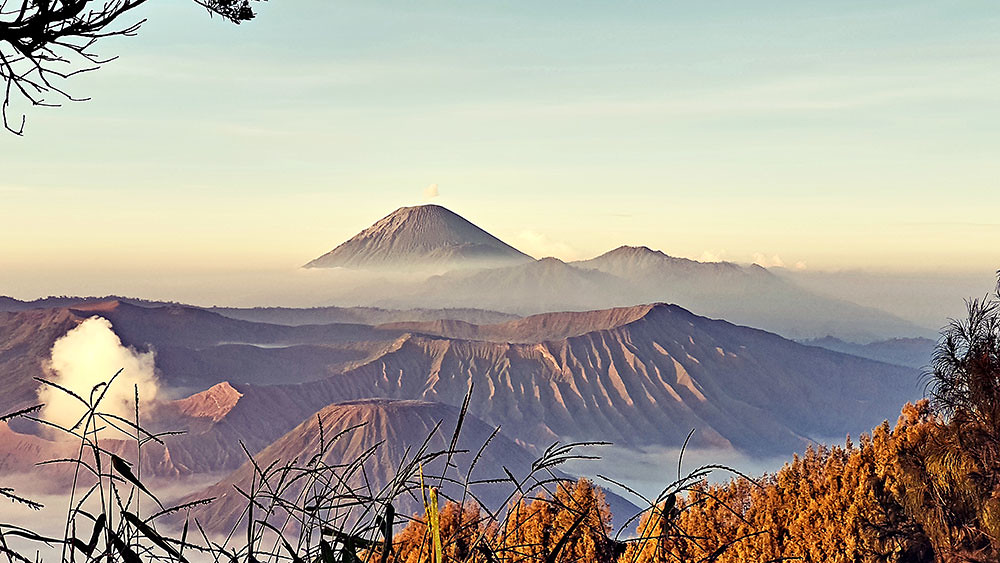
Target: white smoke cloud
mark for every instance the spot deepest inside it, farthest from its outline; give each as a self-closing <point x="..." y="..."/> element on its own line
<point x="91" y="354"/>
<point x="712" y="256"/>
<point x="773" y="261"/>
<point x="540" y="246"/>
<point x="431" y="191"/>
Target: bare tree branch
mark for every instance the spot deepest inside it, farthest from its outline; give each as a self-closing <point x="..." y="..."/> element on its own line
<point x="44" y="43"/>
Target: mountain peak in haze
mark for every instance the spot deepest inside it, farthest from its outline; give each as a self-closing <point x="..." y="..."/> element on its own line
<point x="645" y="257"/>
<point x="628" y="250"/>
<point x="424" y="236"/>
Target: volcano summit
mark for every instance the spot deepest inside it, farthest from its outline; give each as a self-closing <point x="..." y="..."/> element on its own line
<point x="423" y="236"/>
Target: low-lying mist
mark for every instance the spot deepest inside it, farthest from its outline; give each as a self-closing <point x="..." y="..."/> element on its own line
<point x="649" y="470"/>
<point x="50" y="520"/>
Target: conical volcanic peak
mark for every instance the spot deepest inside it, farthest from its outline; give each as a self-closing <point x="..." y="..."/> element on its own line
<point x="385" y="436"/>
<point x="425" y="237"/>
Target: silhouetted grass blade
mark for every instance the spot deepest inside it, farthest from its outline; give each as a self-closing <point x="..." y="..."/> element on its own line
<point x="386" y="529"/>
<point x="123" y="549"/>
<point x="123" y="468"/>
<point x="152" y="535"/>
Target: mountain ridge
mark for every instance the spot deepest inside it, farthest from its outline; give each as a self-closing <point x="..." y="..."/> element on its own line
<point x="911" y="352"/>
<point x="646" y="382"/>
<point x="747" y="295"/>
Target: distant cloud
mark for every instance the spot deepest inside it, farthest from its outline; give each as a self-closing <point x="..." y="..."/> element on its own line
<point x="773" y="261"/>
<point x="541" y="246"/>
<point x="800" y="265"/>
<point x="712" y="256"/>
<point x="431" y="191"/>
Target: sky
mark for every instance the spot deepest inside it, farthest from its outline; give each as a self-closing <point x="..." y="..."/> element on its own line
<point x="812" y="135"/>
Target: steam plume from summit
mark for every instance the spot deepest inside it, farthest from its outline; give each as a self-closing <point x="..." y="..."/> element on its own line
<point x="86" y="356"/>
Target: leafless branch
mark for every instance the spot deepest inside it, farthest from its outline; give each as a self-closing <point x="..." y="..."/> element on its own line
<point x="44" y="43"/>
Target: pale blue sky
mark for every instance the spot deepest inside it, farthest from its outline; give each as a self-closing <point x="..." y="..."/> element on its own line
<point x="831" y="134"/>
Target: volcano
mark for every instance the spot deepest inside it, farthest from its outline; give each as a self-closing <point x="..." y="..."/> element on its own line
<point x="421" y="237"/>
<point x="376" y="447"/>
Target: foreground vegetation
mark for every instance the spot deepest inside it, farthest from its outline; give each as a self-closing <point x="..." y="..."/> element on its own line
<point x="924" y="490"/>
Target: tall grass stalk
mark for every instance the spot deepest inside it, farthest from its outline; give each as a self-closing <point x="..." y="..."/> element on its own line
<point x="306" y="510"/>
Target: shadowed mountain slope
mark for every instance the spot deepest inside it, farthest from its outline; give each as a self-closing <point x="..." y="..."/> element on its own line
<point x="26" y="340"/>
<point x="22" y="455"/>
<point x="649" y="380"/>
<point x="388" y="435"/>
<point x="424" y="236"/>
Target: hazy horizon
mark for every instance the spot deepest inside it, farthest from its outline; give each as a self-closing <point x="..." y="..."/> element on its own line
<point x="928" y="298"/>
<point x="854" y="137"/>
<point x="925" y="299"/>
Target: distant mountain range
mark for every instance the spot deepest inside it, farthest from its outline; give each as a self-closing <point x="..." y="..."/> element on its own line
<point x="291" y="316"/>
<point x="425" y="259"/>
<point x="478" y="271"/>
<point x="912" y="352"/>
<point x="748" y="295"/>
